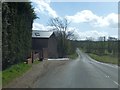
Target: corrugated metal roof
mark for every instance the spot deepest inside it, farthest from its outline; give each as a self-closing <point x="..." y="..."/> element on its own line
<point x="41" y="34"/>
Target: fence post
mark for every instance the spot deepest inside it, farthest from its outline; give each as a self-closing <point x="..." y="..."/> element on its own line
<point x="32" y="56"/>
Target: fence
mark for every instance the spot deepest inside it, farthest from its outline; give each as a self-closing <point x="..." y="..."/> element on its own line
<point x="34" y="56"/>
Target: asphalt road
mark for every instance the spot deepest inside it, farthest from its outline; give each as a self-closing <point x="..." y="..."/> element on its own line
<point x="83" y="72"/>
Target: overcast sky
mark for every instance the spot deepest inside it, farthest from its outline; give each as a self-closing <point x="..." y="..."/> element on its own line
<point x="89" y="19"/>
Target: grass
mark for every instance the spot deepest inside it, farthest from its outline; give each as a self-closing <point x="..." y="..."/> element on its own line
<point x="0" y="79"/>
<point x="36" y="62"/>
<point x="73" y="56"/>
<point x="105" y="58"/>
<point x="15" y="71"/>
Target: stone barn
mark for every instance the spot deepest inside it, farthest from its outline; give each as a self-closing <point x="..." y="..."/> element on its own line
<point x="44" y="43"/>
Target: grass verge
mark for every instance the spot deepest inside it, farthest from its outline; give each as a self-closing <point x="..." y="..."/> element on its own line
<point x="15" y="71"/>
<point x="36" y="62"/>
<point x="73" y="56"/>
<point x="0" y="79"/>
<point x="105" y="58"/>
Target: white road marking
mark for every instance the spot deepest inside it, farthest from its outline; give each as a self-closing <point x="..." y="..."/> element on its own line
<point x="107" y="76"/>
<point x="113" y="80"/>
<point x="110" y="65"/>
<point x="116" y="83"/>
<point x="114" y="66"/>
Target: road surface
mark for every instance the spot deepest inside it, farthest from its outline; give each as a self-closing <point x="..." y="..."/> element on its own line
<point x="83" y="72"/>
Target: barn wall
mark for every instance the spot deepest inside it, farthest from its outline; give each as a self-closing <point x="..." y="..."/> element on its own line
<point x="39" y="43"/>
<point x="45" y="53"/>
<point x="47" y="48"/>
<point x="52" y="47"/>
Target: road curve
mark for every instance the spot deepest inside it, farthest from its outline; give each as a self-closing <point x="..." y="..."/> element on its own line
<point x="83" y="72"/>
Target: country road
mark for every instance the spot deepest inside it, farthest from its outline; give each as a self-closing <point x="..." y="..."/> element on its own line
<point x="81" y="73"/>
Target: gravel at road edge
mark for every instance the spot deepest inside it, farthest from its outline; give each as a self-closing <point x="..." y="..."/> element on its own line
<point x="37" y="71"/>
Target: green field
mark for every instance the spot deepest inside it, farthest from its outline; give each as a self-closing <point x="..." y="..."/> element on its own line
<point x="105" y="58"/>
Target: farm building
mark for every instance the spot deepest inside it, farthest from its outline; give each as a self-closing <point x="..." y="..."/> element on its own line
<point x="44" y="43"/>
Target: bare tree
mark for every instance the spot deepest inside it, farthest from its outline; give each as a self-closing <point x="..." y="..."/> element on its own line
<point x="60" y="27"/>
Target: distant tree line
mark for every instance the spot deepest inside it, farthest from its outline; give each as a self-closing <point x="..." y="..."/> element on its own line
<point x="17" y="20"/>
<point x="98" y="47"/>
